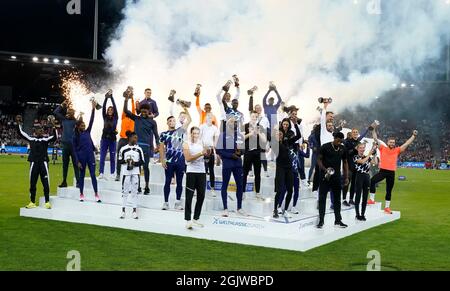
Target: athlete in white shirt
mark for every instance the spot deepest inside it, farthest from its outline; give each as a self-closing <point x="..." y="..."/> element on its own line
<point x="131" y="157"/>
<point x="209" y="133"/>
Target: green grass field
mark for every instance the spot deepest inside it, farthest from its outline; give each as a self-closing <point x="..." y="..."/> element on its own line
<point x="418" y="241"/>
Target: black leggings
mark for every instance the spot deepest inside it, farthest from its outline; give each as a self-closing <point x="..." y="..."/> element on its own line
<point x="194" y="182"/>
<point x="351" y="185"/>
<point x="39" y="170"/>
<point x="67" y="154"/>
<point x="284" y="181"/>
<point x="252" y="158"/>
<point x="390" y="178"/>
<point x="209" y="166"/>
<point x="362" y="183"/>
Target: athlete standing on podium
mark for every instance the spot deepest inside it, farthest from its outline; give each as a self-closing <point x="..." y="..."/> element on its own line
<point x="145" y="128"/>
<point x="131" y="157"/>
<point x="108" y="141"/>
<point x="172" y="158"/>
<point x="84" y="152"/>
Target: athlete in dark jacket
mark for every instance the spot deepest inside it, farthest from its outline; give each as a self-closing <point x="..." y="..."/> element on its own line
<point x="38" y="158"/>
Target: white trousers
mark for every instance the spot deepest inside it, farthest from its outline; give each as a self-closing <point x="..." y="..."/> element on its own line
<point x="130" y="185"/>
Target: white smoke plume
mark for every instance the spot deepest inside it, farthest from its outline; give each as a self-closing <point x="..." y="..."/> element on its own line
<point x="351" y="50"/>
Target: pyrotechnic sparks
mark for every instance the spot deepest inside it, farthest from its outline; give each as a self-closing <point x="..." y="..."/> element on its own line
<point x="72" y="85"/>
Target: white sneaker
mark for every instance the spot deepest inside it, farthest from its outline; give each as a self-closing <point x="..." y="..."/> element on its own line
<point x="213" y="194"/>
<point x="280" y="211"/>
<point x="242" y="212"/>
<point x="267" y="174"/>
<point x="294" y="210"/>
<point x="189" y="224"/>
<point x="286" y="214"/>
<point x="197" y="223"/>
<point x="178" y="205"/>
<point x="225" y="213"/>
<point x="165" y="206"/>
<point x="259" y="196"/>
<point x="101" y="177"/>
<point x="135" y="216"/>
<point x="123" y="215"/>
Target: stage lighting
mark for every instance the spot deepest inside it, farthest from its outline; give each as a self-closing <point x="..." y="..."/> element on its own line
<point x="56" y="61"/>
<point x="35" y="59"/>
<point x="403" y="85"/>
<point x="412" y="85"/>
<point x="45" y="60"/>
<point x="13" y="57"/>
<point x="66" y="62"/>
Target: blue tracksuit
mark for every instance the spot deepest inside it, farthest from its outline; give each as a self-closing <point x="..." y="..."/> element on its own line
<point x="225" y="148"/>
<point x="84" y="153"/>
<point x="146" y="129"/>
<point x="271" y="110"/>
<point x="108" y="141"/>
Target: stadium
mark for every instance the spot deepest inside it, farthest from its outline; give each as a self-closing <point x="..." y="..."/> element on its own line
<point x="225" y="136"/>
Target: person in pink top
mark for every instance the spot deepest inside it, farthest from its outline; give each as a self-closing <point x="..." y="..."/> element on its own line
<point x="388" y="155"/>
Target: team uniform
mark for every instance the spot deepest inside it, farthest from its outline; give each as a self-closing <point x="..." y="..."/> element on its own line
<point x="173" y="142"/>
<point x="331" y="156"/>
<point x="68" y="152"/>
<point x="252" y="157"/>
<point x="208" y="134"/>
<point x="362" y="183"/>
<point x="108" y="140"/>
<point x="38" y="158"/>
<point x="230" y="144"/>
<point x="286" y="161"/>
<point x="84" y="154"/>
<point x="130" y="173"/>
<point x="350" y="145"/>
<point x="146" y="129"/>
<point x="195" y="181"/>
<point x="127" y="124"/>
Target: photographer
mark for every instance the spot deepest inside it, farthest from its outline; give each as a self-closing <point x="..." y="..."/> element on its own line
<point x="131" y="157"/>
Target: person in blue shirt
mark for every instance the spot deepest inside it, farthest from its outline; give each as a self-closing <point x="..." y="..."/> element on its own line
<point x="145" y="128"/>
<point x="153" y="107"/>
<point x="270" y="107"/>
<point x="66" y="117"/>
<point x="108" y="141"/>
<point x="172" y="158"/>
<point x="84" y="153"/>
<point x="230" y="147"/>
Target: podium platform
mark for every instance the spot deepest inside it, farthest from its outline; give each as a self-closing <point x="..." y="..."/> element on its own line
<point x="258" y="228"/>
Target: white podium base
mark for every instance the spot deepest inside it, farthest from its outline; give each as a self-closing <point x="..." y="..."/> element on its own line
<point x="259" y="228"/>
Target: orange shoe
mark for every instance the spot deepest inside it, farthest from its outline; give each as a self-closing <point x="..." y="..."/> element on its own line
<point x="370" y="202"/>
<point x="387" y="210"/>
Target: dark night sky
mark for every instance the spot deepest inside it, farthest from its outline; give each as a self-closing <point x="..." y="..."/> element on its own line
<point x="45" y="27"/>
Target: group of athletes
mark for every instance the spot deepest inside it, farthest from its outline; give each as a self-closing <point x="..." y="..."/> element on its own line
<point x="338" y="164"/>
